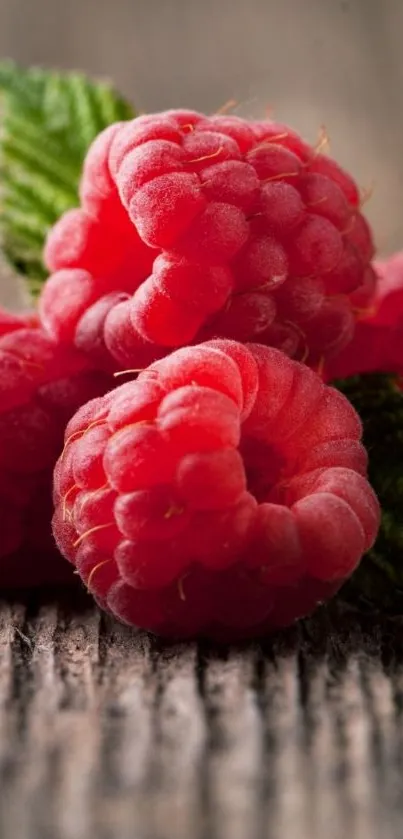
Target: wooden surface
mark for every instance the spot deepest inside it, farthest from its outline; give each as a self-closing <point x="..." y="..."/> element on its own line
<point x="106" y="733"/>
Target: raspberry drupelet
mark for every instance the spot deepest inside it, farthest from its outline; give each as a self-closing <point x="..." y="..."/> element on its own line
<point x="194" y="227"/>
<point x="41" y="386"/>
<point x="221" y="494"/>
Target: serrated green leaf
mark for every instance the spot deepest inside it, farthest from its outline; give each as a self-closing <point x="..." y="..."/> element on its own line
<point x="48" y="120"/>
<point x="378" y="580"/>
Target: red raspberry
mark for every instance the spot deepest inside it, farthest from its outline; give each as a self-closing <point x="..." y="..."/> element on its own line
<point x="222" y="493"/>
<point x="377" y="345"/>
<point x="209" y="226"/>
<point x="387" y="303"/>
<point x="10" y="321"/>
<point x="41" y="386"/>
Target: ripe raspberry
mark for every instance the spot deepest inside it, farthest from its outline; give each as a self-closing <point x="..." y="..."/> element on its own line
<point x="41" y="386"/>
<point x="222" y="493"/>
<point x="9" y="321"/>
<point x="377" y="345"/>
<point x="207" y="227"/>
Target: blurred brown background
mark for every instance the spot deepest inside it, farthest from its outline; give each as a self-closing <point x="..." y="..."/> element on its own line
<point x="315" y="62"/>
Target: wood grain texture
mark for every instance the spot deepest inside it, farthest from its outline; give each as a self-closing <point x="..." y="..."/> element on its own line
<point x="107" y="732"/>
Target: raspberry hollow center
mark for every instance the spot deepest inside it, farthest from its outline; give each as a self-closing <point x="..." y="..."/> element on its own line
<point x="264" y="466"/>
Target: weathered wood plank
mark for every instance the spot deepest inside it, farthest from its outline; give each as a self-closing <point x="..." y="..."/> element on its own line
<point x="108" y="732"/>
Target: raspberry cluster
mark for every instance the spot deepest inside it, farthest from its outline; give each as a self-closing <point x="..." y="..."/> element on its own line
<point x="195" y="227"/>
<point x="41" y="386"/>
<point x="222" y="493"/>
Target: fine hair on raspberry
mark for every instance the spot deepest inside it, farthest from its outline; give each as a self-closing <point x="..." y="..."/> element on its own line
<point x="192" y="228"/>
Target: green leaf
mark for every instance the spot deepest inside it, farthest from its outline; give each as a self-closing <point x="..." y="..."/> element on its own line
<point x="48" y="121"/>
<point x="378" y="580"/>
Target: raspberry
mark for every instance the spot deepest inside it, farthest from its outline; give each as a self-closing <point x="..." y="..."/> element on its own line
<point x="377" y="345"/>
<point x="41" y="386"/>
<point x="212" y="227"/>
<point x="98" y="194"/>
<point x="387" y="303"/>
<point x="9" y="321"/>
<point x="221" y="494"/>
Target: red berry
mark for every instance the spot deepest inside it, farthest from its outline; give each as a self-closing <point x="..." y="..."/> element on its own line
<point x="189" y="215"/>
<point x="207" y="494"/>
<point x="325" y="198"/>
<point x="282" y="207"/>
<point x="247" y="316"/>
<point x="272" y="162"/>
<point x="316" y="248"/>
<point x="9" y="321"/>
<point x="232" y="182"/>
<point x="137" y="132"/>
<point x="386" y="308"/>
<point x="163" y="209"/>
<point x="261" y="264"/>
<point x="79" y="241"/>
<point x="144" y="163"/>
<point x="65" y="298"/>
<point x="207" y="286"/>
<point x="330" y="533"/>
<point x="377" y="345"/>
<point x="41" y="385"/>
<point x="232" y="126"/>
<point x="125" y="343"/>
<point x="268" y="131"/>
<point x="162" y="319"/>
<point x="98" y="192"/>
<point x="323" y="165"/>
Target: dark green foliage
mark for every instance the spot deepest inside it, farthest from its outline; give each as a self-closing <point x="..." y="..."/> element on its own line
<point x="379" y="402"/>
